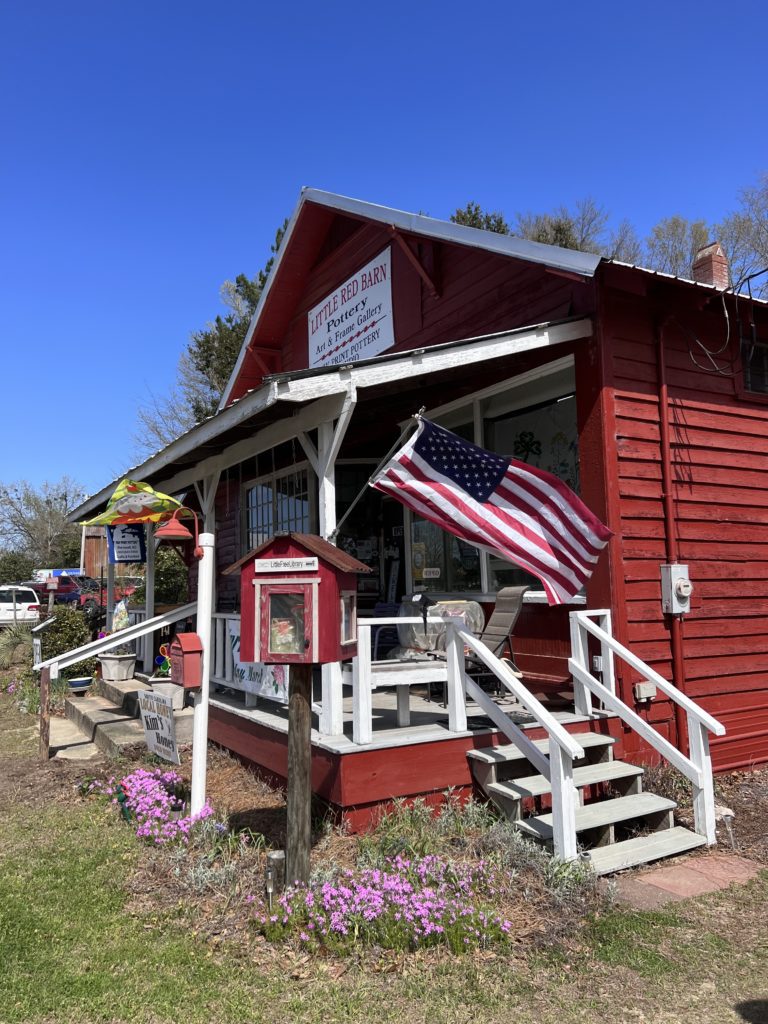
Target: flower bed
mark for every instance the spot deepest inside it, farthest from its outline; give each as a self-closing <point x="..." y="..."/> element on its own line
<point x="155" y="800"/>
<point x="407" y="904"/>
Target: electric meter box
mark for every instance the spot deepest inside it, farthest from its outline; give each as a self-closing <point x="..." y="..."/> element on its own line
<point x="676" y="589"/>
<point x="298" y="601"/>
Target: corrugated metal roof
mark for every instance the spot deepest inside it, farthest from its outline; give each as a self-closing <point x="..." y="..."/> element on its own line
<point x="683" y="280"/>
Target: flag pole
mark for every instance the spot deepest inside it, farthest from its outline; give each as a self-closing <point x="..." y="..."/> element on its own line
<point x="415" y="418"/>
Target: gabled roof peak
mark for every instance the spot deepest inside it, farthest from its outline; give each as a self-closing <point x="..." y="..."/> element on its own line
<point x="570" y="261"/>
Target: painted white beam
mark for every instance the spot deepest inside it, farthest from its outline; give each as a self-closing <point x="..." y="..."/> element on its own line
<point x="330" y="388"/>
<point x="262" y="440"/>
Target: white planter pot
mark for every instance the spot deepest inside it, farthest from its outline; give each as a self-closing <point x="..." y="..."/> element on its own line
<point x="117" y="668"/>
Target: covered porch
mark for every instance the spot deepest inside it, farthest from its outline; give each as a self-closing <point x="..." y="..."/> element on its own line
<point x="294" y="453"/>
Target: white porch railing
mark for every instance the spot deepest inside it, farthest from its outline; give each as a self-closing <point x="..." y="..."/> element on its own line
<point x="698" y="766"/>
<point x="222" y="662"/>
<point x="131" y="633"/>
<point x="368" y="675"/>
<point x="557" y="766"/>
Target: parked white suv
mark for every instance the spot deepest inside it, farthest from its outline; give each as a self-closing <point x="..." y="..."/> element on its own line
<point x="18" y="604"/>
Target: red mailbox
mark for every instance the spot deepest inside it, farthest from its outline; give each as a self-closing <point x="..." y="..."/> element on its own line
<point x="298" y="601"/>
<point x="187" y="661"/>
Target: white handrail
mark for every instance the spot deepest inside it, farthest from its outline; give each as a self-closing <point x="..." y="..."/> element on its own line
<point x="698" y="767"/>
<point x="557" y="768"/>
<point x="543" y="717"/>
<point x="138" y="629"/>
<point x="669" y="689"/>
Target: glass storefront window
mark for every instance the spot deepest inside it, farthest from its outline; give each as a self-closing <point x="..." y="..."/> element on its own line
<point x="276" y="503"/>
<point x="441" y="562"/>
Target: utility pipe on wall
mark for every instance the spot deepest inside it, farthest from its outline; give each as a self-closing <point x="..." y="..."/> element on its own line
<point x="670" y="528"/>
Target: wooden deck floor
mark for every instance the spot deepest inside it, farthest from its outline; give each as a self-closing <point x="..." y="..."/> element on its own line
<point x="357" y="781"/>
<point x="429" y="720"/>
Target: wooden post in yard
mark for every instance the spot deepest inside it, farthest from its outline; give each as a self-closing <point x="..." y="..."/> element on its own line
<point x="299" y="798"/>
<point x="45" y="720"/>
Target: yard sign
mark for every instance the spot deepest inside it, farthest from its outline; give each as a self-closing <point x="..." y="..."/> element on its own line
<point x="159" y="727"/>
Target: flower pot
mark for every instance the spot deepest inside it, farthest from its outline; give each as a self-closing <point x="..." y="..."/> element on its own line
<point x="117" y="668"/>
<point x="80" y="685"/>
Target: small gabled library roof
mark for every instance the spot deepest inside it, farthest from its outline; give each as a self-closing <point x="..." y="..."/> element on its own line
<point x="316" y="545"/>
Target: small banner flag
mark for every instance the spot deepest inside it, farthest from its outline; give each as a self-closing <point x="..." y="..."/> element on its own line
<point x="498" y="504"/>
<point x="135" y="502"/>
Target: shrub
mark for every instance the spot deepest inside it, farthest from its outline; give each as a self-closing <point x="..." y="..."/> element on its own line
<point x="416" y="829"/>
<point x="69" y="630"/>
<point x="16" y="645"/>
<point x="171" y="579"/>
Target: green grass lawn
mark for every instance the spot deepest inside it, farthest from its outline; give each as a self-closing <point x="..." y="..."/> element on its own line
<point x="76" y="947"/>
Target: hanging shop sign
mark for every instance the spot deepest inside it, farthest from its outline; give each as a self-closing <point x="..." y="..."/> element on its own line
<point x="126" y="543"/>
<point x="354" y="321"/>
<point x="159" y="727"/>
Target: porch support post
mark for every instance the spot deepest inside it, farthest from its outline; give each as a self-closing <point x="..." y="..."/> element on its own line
<point x="200" y="722"/>
<point x="110" y="593"/>
<point x="457" y="708"/>
<point x="147" y="642"/>
<point x="329" y="439"/>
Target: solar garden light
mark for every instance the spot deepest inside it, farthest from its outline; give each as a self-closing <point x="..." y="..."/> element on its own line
<point x="274" y="874"/>
<point x="269" y="884"/>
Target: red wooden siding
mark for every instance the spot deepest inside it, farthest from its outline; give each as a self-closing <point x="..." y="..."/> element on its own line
<point x="361" y="784"/>
<point x="479" y="293"/>
<point x="719" y="459"/>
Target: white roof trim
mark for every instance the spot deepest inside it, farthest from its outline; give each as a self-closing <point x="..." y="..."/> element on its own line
<point x="569" y="260"/>
<point x="308" y="386"/>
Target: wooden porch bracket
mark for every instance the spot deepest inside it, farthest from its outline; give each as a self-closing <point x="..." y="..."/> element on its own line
<point x="415" y="262"/>
<point x="268" y="360"/>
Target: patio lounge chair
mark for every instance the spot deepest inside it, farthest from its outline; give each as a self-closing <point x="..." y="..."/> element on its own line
<point x="497" y="636"/>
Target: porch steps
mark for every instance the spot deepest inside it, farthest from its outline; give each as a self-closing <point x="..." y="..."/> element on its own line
<point x="631" y="853"/>
<point x="589" y="775"/>
<point x="606" y="826"/>
<point x="604" y="812"/>
<point x="113" y="724"/>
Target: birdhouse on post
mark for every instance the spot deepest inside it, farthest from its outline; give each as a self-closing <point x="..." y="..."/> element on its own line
<point x="298" y="601"/>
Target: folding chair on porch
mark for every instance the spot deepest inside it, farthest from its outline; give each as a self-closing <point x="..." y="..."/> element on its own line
<point x="497" y="637"/>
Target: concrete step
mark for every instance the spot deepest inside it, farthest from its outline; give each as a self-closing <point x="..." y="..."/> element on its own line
<point x="111" y="729"/>
<point x="588" y="775"/>
<point x="598" y="815"/>
<point x="509" y="752"/>
<point x="123" y="694"/>
<point x="67" y="742"/>
<point x="633" y="852"/>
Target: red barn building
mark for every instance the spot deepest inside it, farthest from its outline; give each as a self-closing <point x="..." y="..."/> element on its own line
<point x="647" y="394"/>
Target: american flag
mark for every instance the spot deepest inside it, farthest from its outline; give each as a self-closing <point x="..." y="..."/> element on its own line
<point x="497" y="504"/>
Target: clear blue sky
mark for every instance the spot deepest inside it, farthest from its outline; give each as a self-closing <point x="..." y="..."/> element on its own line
<point x="148" y="151"/>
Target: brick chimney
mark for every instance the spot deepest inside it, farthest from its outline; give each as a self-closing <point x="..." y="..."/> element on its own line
<point x="711" y="267"/>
